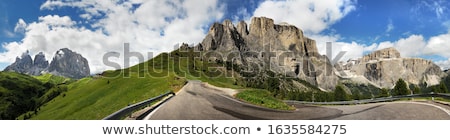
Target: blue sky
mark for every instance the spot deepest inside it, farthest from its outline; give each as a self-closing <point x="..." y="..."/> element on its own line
<point x="417" y="28"/>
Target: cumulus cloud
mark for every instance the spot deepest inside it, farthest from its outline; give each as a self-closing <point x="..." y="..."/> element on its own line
<point x="149" y="26"/>
<point x="8" y="33"/>
<point x="351" y="50"/>
<point x="412" y="46"/>
<point x="20" y="26"/>
<point x="313" y="16"/>
<point x="439" y="45"/>
<point x="444" y="64"/>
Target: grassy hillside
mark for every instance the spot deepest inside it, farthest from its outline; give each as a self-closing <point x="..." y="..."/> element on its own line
<point x="53" y="79"/>
<point x="262" y="98"/>
<point x="98" y="96"/>
<point x="19" y="93"/>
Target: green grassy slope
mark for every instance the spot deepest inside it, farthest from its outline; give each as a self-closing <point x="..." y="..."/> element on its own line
<point x="98" y="96"/>
<point x="53" y="79"/>
<point x="19" y="93"/>
<point x="262" y="98"/>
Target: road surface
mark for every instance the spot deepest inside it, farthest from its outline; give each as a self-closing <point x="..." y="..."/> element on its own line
<point x="200" y="101"/>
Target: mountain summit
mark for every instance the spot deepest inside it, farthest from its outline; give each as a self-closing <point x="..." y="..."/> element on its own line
<point x="268" y="47"/>
<point x="65" y="63"/>
<point x="69" y="64"/>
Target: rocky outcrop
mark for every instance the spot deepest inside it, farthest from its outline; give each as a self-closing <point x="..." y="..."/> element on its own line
<point x="65" y="63"/>
<point x="39" y="65"/>
<point x="387" y="53"/>
<point x="242" y="28"/>
<point x="69" y="64"/>
<point x="281" y="48"/>
<point x="385" y="67"/>
<point x="25" y="65"/>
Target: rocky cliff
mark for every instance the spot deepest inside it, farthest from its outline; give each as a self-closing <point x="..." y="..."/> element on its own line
<point x="22" y="64"/>
<point x="384" y="67"/>
<point x="65" y="63"/>
<point x="69" y="64"/>
<point x="39" y="64"/>
<point x="280" y="48"/>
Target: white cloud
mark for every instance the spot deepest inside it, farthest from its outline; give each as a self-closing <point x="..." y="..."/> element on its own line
<point x="20" y="26"/>
<point x="313" y="16"/>
<point x="241" y="12"/>
<point x="439" y="9"/>
<point x="444" y="64"/>
<point x="390" y="26"/>
<point x="439" y="45"/>
<point x="352" y="50"/>
<point x="116" y="23"/>
<point x="412" y="46"/>
<point x="56" y="20"/>
<point x="8" y="33"/>
<point x="436" y="7"/>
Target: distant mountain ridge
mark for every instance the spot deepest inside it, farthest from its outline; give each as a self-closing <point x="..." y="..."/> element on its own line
<point x="384" y="67"/>
<point x="65" y="63"/>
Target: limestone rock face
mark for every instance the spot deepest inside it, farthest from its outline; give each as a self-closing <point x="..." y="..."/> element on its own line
<point x="387" y="53"/>
<point x="242" y="28"/>
<point x="385" y="67"/>
<point x="69" y="64"/>
<point x="281" y="48"/>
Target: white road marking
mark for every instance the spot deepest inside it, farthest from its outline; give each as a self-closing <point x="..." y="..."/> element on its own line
<point x="151" y="113"/>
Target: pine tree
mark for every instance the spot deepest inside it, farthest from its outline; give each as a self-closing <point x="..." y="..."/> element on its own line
<point x="340" y="94"/>
<point x="401" y="88"/>
<point x="384" y="92"/>
<point x="416" y="89"/>
<point x="356" y="95"/>
<point x="443" y="88"/>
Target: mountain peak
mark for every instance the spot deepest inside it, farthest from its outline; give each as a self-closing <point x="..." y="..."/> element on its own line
<point x="261" y="25"/>
<point x="265" y="39"/>
<point x="69" y="64"/>
<point x="386" y="53"/>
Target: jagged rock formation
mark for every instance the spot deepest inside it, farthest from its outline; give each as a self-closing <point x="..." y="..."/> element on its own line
<point x="22" y="64"/>
<point x="387" y="53"/>
<point x="39" y="65"/>
<point x="69" y="64"/>
<point x="65" y="63"/>
<point x="384" y="67"/>
<point x="282" y="49"/>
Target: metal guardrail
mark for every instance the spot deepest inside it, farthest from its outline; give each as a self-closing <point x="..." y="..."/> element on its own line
<point x="376" y="100"/>
<point x="118" y="115"/>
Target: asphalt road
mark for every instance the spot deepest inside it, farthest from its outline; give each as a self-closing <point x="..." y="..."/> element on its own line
<point x="198" y="101"/>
